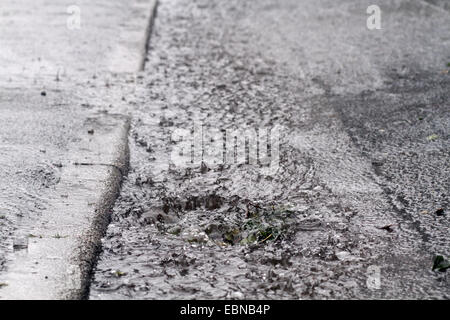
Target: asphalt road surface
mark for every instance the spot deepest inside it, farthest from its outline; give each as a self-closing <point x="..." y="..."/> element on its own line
<point x="358" y="204"/>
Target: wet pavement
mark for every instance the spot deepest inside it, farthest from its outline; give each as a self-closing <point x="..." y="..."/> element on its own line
<point x="356" y="206"/>
<point x="63" y="149"/>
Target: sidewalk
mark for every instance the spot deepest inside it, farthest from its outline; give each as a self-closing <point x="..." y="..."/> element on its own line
<point x="62" y="152"/>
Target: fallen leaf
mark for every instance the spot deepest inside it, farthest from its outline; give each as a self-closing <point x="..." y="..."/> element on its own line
<point x="388" y="228"/>
<point x="440" y="264"/>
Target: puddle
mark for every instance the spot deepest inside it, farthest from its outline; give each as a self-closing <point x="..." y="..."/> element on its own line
<point x="235" y="231"/>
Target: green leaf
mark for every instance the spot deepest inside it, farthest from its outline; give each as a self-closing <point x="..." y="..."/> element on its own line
<point x="440" y="264"/>
<point x="119" y="273"/>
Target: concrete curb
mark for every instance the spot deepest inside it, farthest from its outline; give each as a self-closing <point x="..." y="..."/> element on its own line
<point x="131" y="48"/>
<point x="148" y="33"/>
<point x="63" y="244"/>
<point x="89" y="243"/>
<point x="64" y="240"/>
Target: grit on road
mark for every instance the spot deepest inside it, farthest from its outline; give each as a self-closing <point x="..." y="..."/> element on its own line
<point x="363" y="182"/>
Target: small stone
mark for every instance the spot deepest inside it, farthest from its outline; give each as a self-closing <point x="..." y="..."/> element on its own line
<point x="237" y="295"/>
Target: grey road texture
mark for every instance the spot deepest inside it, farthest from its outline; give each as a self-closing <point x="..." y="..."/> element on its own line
<point x="358" y="206"/>
<point x="353" y="206"/>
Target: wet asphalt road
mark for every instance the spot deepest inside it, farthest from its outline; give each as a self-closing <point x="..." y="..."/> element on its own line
<point x="365" y="145"/>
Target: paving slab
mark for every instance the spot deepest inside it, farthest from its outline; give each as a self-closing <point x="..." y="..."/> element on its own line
<point x="62" y="160"/>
